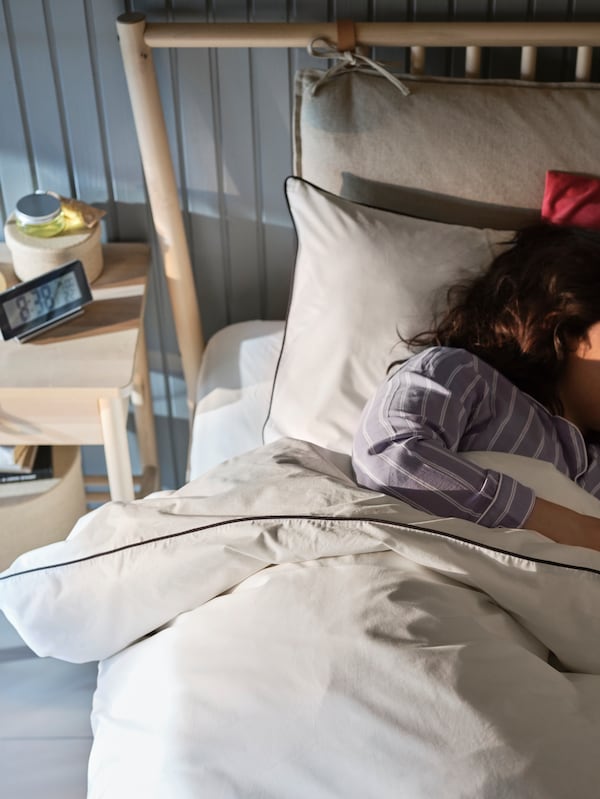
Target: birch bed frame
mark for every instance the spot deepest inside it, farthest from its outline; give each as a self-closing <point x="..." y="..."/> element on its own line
<point x="382" y="653"/>
<point x="138" y="38"/>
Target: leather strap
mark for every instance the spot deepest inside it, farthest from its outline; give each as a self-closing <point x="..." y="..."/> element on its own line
<point x="346" y="35"/>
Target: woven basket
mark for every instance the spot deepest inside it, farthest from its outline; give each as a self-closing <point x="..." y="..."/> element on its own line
<point x="33" y="256"/>
<point x="34" y="520"/>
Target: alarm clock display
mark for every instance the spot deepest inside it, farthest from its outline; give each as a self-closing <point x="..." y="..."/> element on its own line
<point x="33" y="306"/>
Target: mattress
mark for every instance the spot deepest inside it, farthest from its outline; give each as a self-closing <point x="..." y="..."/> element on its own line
<point x="233" y="392"/>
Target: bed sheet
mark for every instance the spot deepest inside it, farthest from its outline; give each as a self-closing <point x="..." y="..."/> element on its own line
<point x="233" y="392"/>
<point x="273" y="630"/>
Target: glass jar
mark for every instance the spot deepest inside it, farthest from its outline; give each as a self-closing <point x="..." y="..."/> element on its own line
<point x="40" y="214"/>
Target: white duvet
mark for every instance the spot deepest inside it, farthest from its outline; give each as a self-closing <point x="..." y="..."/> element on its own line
<point x="272" y="630"/>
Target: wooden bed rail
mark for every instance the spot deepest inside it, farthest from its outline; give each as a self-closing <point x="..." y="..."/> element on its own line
<point x="374" y="34"/>
<point x="137" y="38"/>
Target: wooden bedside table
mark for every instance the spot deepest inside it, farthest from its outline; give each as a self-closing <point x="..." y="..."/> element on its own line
<point x="72" y="384"/>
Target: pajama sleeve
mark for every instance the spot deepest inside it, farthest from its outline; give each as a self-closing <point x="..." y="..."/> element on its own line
<point x="411" y="434"/>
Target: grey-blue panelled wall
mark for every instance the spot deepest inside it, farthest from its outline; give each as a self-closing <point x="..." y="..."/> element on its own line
<point x="66" y="125"/>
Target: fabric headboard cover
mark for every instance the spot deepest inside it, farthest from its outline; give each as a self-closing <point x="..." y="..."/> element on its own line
<point x="485" y="141"/>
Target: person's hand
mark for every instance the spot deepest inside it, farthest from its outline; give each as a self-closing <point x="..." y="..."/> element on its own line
<point x="563" y="525"/>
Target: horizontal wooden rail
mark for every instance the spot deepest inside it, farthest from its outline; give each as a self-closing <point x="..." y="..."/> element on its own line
<point x="374" y="34"/>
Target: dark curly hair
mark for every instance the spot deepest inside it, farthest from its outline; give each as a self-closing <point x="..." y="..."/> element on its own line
<point x="522" y="314"/>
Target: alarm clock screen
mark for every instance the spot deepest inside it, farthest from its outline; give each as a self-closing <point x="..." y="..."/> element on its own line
<point x="30" y="307"/>
<point x="39" y="302"/>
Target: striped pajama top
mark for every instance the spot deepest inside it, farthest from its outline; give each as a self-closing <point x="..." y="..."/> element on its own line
<point x="444" y="401"/>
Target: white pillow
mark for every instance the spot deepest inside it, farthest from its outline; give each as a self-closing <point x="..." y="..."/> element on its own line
<point x="362" y="275"/>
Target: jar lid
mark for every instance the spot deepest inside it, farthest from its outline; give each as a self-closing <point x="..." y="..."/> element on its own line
<point x="37" y="209"/>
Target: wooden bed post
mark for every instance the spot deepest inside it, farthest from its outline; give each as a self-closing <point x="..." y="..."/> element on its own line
<point x="162" y="190"/>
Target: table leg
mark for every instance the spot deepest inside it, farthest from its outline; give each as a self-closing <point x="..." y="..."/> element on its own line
<point x="113" y="418"/>
<point x="144" y="418"/>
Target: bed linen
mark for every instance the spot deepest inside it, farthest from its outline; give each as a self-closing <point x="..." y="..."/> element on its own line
<point x="365" y="650"/>
<point x="364" y="280"/>
<point x="233" y="392"/>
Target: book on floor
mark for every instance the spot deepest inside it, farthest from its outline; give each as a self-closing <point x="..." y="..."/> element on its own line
<point x="38" y="468"/>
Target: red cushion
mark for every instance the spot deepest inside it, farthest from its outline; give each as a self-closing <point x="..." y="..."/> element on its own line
<point x="571" y="199"/>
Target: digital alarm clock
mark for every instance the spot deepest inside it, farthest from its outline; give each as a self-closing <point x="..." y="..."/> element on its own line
<point x="31" y="307"/>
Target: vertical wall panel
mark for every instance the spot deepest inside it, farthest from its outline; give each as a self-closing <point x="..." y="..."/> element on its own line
<point x="239" y="184"/>
<point x="66" y="124"/>
<point x="201" y="165"/>
<point x="67" y="31"/>
<point x="128" y="217"/>
<point x="392" y="11"/>
<point x="238" y="153"/>
<point x="438" y="59"/>
<point x="16" y="165"/>
<point x="350" y="9"/>
<point x="271" y="79"/>
<point x="307" y="11"/>
<point x="41" y="104"/>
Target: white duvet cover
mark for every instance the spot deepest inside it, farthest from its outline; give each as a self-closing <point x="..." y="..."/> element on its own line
<point x="272" y="630"/>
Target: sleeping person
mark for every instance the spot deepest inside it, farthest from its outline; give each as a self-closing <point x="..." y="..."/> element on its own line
<point x="513" y="366"/>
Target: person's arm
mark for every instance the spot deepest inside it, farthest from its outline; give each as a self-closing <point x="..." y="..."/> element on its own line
<point x="410" y="434"/>
<point x="563" y="525"/>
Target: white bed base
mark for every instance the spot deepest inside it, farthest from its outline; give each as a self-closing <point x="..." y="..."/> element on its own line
<point x="138" y="38"/>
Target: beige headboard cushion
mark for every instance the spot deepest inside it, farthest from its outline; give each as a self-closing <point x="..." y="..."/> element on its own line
<point x="468" y="150"/>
